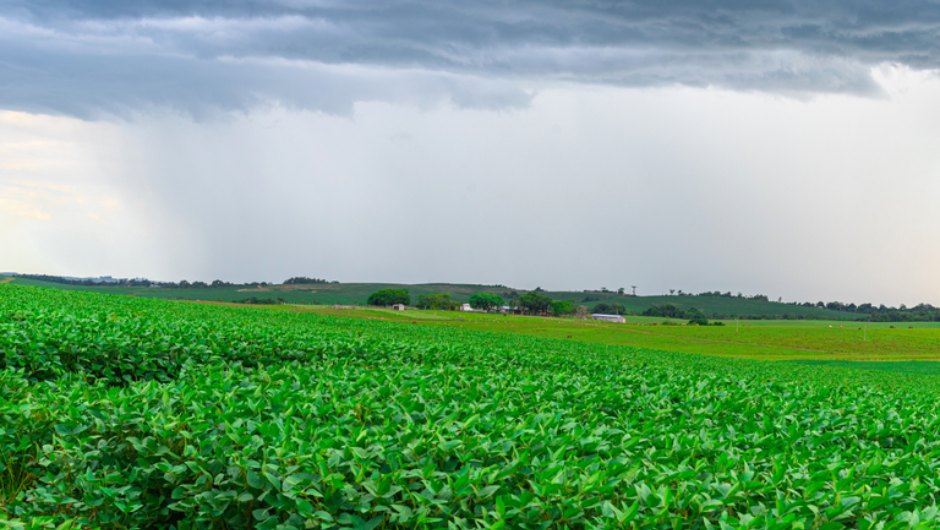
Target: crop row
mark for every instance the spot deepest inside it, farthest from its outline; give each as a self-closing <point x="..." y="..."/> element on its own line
<point x="274" y="419"/>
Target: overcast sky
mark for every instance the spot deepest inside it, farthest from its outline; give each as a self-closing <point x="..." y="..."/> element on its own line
<point x="788" y="148"/>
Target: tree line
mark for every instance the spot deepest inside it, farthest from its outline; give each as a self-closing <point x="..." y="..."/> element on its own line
<point x="537" y="302"/>
<point x="106" y="281"/>
<point x="529" y="303"/>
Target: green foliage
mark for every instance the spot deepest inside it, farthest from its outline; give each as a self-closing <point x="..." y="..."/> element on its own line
<point x="612" y="308"/>
<point x="260" y="301"/>
<point x="358" y="293"/>
<point x="486" y="301"/>
<point x="304" y="280"/>
<point x="562" y="308"/>
<point x="118" y="412"/>
<point x="389" y="297"/>
<point x="665" y="310"/>
<point x="440" y="301"/>
<point x="535" y="303"/>
<point x="696" y="317"/>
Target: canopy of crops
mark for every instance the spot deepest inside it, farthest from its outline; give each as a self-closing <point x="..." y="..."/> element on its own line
<point x="118" y="412"/>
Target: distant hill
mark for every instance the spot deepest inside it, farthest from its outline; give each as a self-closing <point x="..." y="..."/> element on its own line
<point x="357" y="293"/>
<point x="711" y="305"/>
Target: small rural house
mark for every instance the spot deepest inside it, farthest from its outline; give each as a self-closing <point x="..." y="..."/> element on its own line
<point x="609" y="318"/>
<point x="398" y="307"/>
<point x="466" y="307"/>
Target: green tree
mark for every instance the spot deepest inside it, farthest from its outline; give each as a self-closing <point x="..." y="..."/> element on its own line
<point x="562" y="308"/>
<point x="535" y="303"/>
<point x="610" y="309"/>
<point x="696" y="317"/>
<point x="665" y="310"/>
<point x="436" y="301"/>
<point x="302" y="280"/>
<point x="486" y="301"/>
<point x="389" y="297"/>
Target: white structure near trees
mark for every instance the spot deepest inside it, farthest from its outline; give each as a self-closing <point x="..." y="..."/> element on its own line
<point x="609" y="318"/>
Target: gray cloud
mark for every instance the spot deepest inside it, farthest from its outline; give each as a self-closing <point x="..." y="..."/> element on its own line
<point x="89" y="58"/>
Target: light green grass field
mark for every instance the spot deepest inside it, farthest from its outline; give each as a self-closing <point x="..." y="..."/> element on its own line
<point x="757" y="339"/>
<point x="900" y="367"/>
<point x="761" y="339"/>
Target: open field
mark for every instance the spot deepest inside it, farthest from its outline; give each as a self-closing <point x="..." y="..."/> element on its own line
<point x="358" y="293"/>
<point x="121" y="412"/>
<point x="907" y="367"/>
<point x="759" y="339"/>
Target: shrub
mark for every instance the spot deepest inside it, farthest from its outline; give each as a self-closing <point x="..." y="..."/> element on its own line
<point x="610" y="309"/>
<point x="389" y="297"/>
<point x="486" y="301"/>
<point x="441" y="301"/>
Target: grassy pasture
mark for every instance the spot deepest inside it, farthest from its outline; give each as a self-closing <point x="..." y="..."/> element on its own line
<point x="759" y="339"/>
<point x="906" y="367"/>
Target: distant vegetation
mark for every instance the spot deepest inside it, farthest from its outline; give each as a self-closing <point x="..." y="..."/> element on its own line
<point x="486" y="301"/>
<point x="534" y="303"/>
<point x="562" y="308"/>
<point x="107" y="281"/>
<point x="610" y="309"/>
<point x="758" y="339"/>
<point x="262" y="301"/>
<point x="714" y="304"/>
<point x="389" y="297"/>
<point x="667" y="311"/>
<point x="301" y="280"/>
<point x="918" y="313"/>
<point x="441" y="301"/>
<point x="694" y="316"/>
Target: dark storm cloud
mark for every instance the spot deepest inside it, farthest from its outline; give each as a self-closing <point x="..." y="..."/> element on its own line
<point x="97" y="56"/>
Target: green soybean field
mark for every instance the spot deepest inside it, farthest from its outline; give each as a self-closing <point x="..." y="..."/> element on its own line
<point x="119" y="412"/>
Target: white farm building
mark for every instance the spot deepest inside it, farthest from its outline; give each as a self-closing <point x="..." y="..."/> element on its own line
<point x="609" y="318"/>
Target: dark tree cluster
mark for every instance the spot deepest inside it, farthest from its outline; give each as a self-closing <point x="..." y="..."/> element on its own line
<point x="665" y="311"/>
<point x="880" y="313"/>
<point x="134" y="282"/>
<point x="302" y="280"/>
<point x="216" y="284"/>
<point x="562" y="308"/>
<point x="534" y="303"/>
<point x="696" y="317"/>
<point x="440" y="301"/>
<point x="108" y="281"/>
<point x="610" y="309"/>
<point x="260" y="301"/>
<point x="389" y="297"/>
<point x="486" y="301"/>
